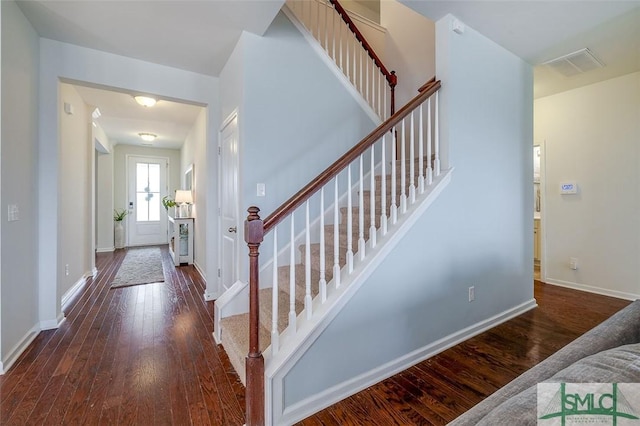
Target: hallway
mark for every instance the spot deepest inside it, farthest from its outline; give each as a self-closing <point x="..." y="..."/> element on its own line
<point x="133" y="355"/>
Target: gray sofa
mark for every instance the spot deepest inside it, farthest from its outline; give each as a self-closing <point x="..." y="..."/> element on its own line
<point x="609" y="353"/>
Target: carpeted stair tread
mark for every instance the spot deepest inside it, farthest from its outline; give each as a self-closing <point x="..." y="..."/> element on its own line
<point x="235" y="339"/>
<point x="283" y="307"/>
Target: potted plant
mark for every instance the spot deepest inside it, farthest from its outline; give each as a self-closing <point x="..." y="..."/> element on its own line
<point x="168" y="202"/>
<point x="118" y="217"/>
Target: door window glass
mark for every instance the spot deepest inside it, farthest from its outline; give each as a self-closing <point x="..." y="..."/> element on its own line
<point x="148" y="192"/>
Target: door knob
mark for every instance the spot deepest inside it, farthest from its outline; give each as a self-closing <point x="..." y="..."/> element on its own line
<point x="233" y="229"/>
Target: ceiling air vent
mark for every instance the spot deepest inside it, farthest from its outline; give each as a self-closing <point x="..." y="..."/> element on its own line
<point x="575" y="63"/>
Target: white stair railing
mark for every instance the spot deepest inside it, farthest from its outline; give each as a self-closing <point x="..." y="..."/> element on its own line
<point x="328" y="22"/>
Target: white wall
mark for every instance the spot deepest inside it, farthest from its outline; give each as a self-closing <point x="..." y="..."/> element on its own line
<point x="104" y="191"/>
<point x="193" y="152"/>
<point x="19" y="138"/>
<point x="75" y="207"/>
<point x="478" y="233"/>
<point x="591" y="136"/>
<point x="410" y="48"/>
<point x="65" y="61"/>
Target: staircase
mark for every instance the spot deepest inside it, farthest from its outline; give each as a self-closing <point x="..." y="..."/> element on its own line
<point x="321" y="244"/>
<point x="235" y="328"/>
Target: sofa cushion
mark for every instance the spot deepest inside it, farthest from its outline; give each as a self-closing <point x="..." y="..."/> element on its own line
<point x="617" y="365"/>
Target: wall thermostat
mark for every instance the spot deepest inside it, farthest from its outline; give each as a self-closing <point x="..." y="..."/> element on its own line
<point x="568" y="188"/>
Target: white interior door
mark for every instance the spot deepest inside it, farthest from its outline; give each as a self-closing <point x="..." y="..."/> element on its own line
<point x="147" y="184"/>
<point x="229" y="247"/>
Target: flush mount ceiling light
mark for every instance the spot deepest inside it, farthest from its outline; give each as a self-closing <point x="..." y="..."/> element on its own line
<point x="145" y="101"/>
<point x="147" y="137"/>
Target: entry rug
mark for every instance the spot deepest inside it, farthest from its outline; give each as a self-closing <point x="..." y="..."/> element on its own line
<point x="140" y="266"/>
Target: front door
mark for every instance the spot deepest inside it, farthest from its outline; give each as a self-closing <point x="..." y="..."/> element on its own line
<point x="229" y="203"/>
<point x="147" y="184"/>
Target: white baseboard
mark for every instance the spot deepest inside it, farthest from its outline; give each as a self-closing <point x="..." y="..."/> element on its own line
<point x="52" y="324"/>
<point x="309" y="406"/>
<point x="17" y="350"/>
<point x="593" y="289"/>
<point x="200" y="271"/>
<point x="105" y="249"/>
<point x="75" y="289"/>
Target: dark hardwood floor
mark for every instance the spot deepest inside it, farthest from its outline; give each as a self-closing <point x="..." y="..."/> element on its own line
<point x="140" y="355"/>
<point x="144" y="355"/>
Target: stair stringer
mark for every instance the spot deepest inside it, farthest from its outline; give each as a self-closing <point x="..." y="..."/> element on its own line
<point x="335" y="69"/>
<point x="293" y="346"/>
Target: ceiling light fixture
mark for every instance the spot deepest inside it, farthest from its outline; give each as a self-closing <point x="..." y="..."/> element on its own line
<point x="147" y="137"/>
<point x="145" y="101"/>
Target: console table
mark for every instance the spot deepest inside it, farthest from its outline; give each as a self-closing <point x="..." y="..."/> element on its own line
<point x="181" y="240"/>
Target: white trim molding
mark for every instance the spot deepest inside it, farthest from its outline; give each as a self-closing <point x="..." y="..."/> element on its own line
<point x="17" y="350"/>
<point x="592" y="289"/>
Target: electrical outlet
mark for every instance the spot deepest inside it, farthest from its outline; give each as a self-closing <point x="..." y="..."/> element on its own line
<point x="66" y="269"/>
<point x="472" y="293"/>
<point x="573" y="263"/>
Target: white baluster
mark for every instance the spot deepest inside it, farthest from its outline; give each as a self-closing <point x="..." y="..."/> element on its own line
<point x="307" y="269"/>
<point x="361" y="248"/>
<point x="385" y="110"/>
<point x="383" y="186"/>
<point x="333" y="33"/>
<point x="403" y="170"/>
<point x="362" y="53"/>
<point x="372" y="199"/>
<point x="319" y="38"/>
<point x="347" y="43"/>
<point x="349" y="223"/>
<point x="366" y="82"/>
<point x="275" y="335"/>
<point x="292" y="277"/>
<point x="322" y="284"/>
<point x="394" y="149"/>
<point x="340" y="40"/>
<point x="420" y="152"/>
<point x="326" y="27"/>
<point x="436" y="145"/>
<point x="412" y="167"/>
<point x="429" y="130"/>
<point x="356" y="52"/>
<point x="336" y="235"/>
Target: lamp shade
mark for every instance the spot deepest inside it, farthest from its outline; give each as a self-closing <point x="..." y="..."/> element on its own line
<point x="183" y="196"/>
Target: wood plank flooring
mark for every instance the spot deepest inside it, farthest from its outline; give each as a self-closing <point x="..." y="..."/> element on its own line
<point x="140" y="355"/>
<point x="144" y="355"/>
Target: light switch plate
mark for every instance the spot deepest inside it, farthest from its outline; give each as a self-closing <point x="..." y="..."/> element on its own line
<point x="261" y="190"/>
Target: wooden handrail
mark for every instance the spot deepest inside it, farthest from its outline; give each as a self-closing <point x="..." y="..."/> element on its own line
<point x="390" y="76"/>
<point x="330" y="172"/>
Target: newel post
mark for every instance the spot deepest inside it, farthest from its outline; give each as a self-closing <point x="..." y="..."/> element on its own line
<point x="253" y="235"/>
<point x="393" y="81"/>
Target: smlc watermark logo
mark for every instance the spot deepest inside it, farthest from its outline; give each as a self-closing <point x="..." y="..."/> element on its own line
<point x="563" y="404"/>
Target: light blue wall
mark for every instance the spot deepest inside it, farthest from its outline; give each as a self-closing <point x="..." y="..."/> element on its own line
<point x="478" y="233"/>
<point x="298" y="118"/>
<point x="18" y="293"/>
